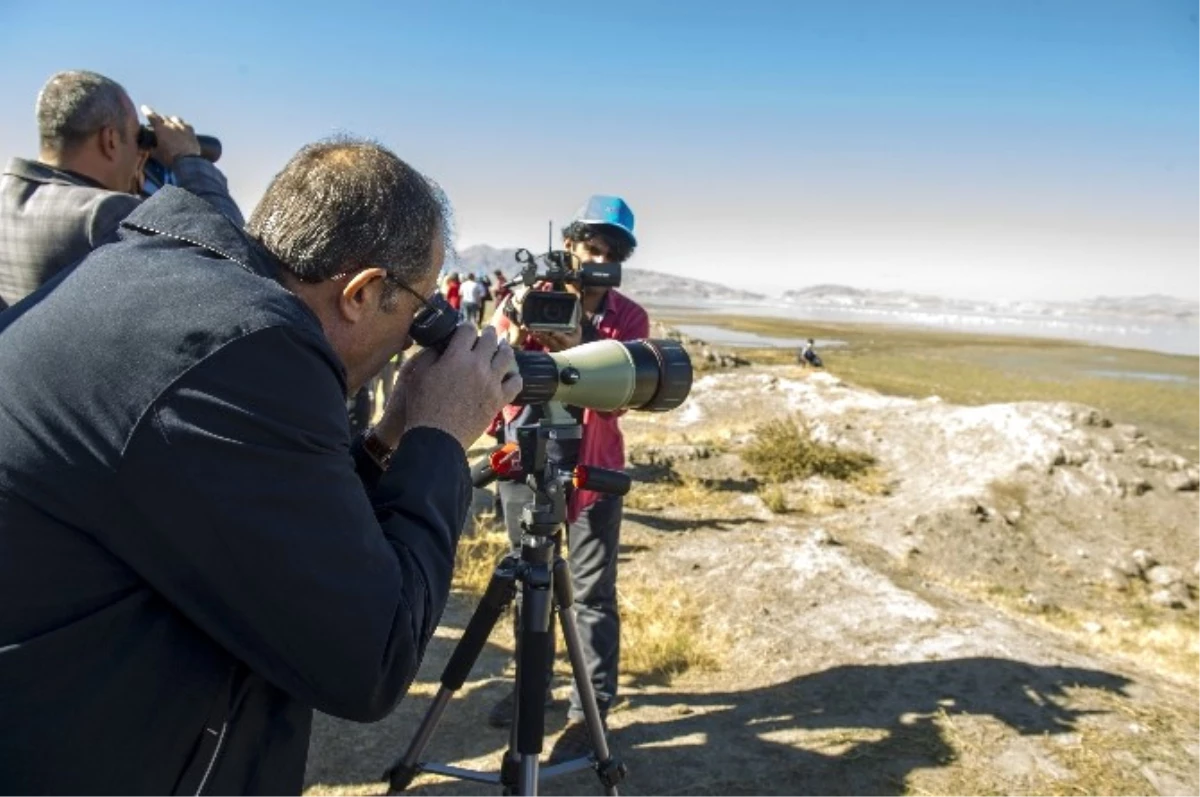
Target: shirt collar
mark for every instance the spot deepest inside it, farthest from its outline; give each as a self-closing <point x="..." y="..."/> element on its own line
<point x="39" y="172"/>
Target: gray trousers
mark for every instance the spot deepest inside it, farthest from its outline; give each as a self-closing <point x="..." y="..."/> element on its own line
<point x="592" y="540"/>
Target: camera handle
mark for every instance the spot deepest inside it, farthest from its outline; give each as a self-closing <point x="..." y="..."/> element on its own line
<point x="545" y="585"/>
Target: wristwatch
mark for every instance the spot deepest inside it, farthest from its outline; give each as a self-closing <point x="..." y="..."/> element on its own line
<point x="376" y="449"/>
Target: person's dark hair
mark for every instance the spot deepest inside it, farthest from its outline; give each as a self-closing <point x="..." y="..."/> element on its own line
<point x="74" y="105"/>
<point x="348" y="203"/>
<point x="620" y="248"/>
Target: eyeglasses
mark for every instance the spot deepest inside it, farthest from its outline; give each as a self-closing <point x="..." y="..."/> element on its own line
<point x="429" y="310"/>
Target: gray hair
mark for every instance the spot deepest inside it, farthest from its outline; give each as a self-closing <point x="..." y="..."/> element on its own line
<point x="74" y="105"/>
<point x="347" y="203"/>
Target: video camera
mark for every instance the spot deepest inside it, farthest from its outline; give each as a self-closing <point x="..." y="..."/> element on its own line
<point x="157" y="174"/>
<point x="557" y="309"/>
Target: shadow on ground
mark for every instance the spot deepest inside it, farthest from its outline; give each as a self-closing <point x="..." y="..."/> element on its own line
<point x="846" y="730"/>
<point x="659" y="523"/>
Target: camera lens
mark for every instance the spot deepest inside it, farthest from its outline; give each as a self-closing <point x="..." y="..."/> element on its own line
<point x="553" y="313"/>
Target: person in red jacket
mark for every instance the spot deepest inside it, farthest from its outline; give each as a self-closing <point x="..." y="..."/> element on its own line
<point x="601" y="232"/>
<point x="450" y="289"/>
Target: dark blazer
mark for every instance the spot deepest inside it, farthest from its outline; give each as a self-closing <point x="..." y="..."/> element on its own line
<point x="50" y="218"/>
<point x="193" y="553"/>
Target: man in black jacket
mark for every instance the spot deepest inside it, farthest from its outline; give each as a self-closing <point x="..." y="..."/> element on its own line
<point x="193" y="552"/>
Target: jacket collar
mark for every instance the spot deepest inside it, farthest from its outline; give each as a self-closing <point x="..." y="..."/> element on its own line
<point x="38" y="172"/>
<point x="180" y="214"/>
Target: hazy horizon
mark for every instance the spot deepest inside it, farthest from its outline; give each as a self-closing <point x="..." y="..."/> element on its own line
<point x="1014" y="150"/>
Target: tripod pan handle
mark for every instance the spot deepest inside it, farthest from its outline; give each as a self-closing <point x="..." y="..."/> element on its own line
<point x="601" y="480"/>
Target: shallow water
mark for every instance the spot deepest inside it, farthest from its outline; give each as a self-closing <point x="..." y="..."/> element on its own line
<point x="1148" y="376"/>
<point x="1159" y="335"/>
<point x="720" y="336"/>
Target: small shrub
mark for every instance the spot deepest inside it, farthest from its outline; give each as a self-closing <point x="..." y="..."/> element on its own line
<point x="774" y="499"/>
<point x="784" y="450"/>
<point x="662" y="631"/>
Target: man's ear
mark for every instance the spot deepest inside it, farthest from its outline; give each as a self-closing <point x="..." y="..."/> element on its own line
<point x="110" y="139"/>
<point x="361" y="295"/>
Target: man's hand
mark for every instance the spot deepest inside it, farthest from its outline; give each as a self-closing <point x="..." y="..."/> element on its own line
<point x="459" y="392"/>
<point x="557" y="341"/>
<point x="176" y="138"/>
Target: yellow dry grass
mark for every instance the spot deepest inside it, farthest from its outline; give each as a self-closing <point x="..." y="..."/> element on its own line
<point x="477" y="557"/>
<point x="662" y="631"/>
<point x="784" y="450"/>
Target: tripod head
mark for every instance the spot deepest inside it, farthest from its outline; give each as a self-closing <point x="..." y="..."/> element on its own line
<point x="544" y="457"/>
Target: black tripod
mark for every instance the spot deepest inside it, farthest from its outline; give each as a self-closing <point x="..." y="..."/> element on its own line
<point x="545" y="582"/>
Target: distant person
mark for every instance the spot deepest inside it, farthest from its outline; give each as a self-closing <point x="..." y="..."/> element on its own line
<point x="472" y="296"/>
<point x="486" y="282"/>
<point x="451" y="290"/>
<point x="58" y="208"/>
<point x="499" y="286"/>
<point x="808" y="356"/>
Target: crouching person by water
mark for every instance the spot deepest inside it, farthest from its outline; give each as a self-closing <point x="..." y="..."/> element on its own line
<point x="807" y="356"/>
<point x="194" y="553"/>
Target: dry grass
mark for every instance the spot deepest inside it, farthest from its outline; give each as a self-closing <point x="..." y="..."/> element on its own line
<point x="662" y="632"/>
<point x="774" y="499"/>
<point x="677" y="490"/>
<point x="1100" y="757"/>
<point x="477" y="557"/>
<point x="784" y="450"/>
<point x="1155" y="639"/>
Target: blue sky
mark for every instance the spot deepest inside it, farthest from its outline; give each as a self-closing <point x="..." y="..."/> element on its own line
<point x="1011" y="149"/>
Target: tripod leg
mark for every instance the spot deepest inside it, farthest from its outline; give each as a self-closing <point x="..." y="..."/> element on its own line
<point x="499" y="594"/>
<point x="610" y="769"/>
<point x="533" y="651"/>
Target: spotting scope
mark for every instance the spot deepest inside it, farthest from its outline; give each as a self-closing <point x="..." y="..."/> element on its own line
<point x="648" y="375"/>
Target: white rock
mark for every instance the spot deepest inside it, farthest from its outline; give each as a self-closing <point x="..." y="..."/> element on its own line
<point x="1163" y="575"/>
<point x="1114" y="578"/>
<point x="1182" y="482"/>
<point x="1167" y="599"/>
<point x="1143" y="559"/>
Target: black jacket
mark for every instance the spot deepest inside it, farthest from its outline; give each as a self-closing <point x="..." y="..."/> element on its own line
<point x="193" y="555"/>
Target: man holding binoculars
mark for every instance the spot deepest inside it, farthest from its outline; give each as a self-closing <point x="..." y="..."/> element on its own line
<point x="55" y="210"/>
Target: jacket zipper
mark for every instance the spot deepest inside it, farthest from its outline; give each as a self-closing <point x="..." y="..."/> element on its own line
<point x="216" y="752"/>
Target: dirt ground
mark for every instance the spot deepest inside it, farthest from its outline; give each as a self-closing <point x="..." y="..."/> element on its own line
<point x="1007" y="606"/>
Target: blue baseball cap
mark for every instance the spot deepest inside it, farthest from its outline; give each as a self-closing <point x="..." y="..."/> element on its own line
<point x="608" y="210"/>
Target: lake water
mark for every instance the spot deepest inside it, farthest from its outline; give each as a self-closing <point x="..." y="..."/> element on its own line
<point x="720" y="336"/>
<point x="1161" y="336"/>
<point x="1145" y="376"/>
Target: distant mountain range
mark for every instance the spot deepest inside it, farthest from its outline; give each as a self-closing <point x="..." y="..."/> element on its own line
<point x="655" y="287"/>
<point x="1153" y="306"/>
<point x="641" y="283"/>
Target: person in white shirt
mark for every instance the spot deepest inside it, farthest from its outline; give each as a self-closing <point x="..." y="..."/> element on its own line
<point x="472" y="297"/>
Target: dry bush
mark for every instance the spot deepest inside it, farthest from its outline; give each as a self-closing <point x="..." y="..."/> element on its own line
<point x="662" y="631"/>
<point x="477" y="557"/>
<point x="774" y="499"/>
<point x="784" y="450"/>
